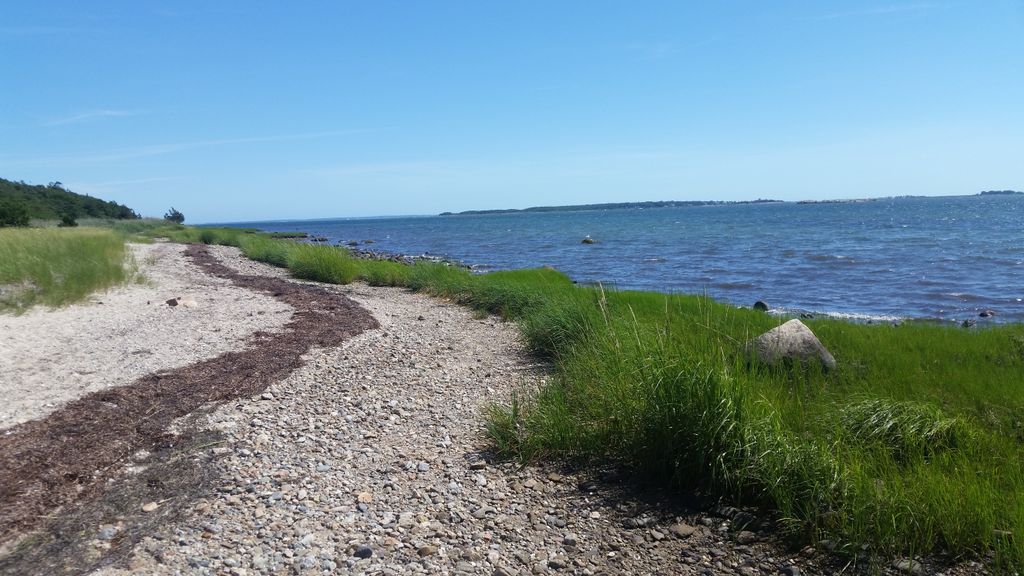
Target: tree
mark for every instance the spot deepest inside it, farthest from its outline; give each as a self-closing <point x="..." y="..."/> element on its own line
<point x="13" y="213"/>
<point x="174" y="216"/>
<point x="68" y="221"/>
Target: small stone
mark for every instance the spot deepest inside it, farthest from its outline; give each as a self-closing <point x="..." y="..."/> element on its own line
<point x="363" y="552"/>
<point x="790" y="570"/>
<point x="266" y="396"/>
<point x="681" y="530"/>
<point x="746" y="537"/>
<point x="558" y="563"/>
<point x="172" y="302"/>
<point x="570" y="540"/>
<point x="761" y="306"/>
<point x="908" y="566"/>
<point x="657" y="535"/>
<point x="986" y="313"/>
<point x="107" y="532"/>
<point x="423" y="467"/>
<point x="530" y="483"/>
<point x="427" y="551"/>
<point x="502" y="571"/>
<point x="364" y="497"/>
<point x="150" y="506"/>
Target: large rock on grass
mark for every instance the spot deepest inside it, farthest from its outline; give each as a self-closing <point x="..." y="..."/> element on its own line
<point x="791" y="343"/>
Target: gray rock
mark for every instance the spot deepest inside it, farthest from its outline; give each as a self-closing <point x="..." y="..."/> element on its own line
<point x="107" y="532"/>
<point x="793" y="341"/>
<point x="681" y="530"/>
<point x="761" y="306"/>
<point x="908" y="566"/>
<point x="790" y="571"/>
<point x="363" y="552"/>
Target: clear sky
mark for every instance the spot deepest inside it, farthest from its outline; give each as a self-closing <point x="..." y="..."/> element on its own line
<point x="275" y="110"/>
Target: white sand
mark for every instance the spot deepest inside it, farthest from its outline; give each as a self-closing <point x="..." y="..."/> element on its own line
<point x="49" y="357"/>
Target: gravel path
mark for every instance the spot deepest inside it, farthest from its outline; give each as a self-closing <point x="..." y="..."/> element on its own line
<point x="50" y="357"/>
<point x="371" y="459"/>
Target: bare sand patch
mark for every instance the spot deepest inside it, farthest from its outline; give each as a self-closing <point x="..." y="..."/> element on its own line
<point x="50" y="357"/>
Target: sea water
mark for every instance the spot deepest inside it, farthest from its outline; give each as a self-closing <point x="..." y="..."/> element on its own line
<point x="944" y="258"/>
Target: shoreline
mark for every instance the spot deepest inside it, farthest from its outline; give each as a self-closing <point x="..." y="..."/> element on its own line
<point x="785" y="312"/>
<point x="376" y="450"/>
<point x="415" y="353"/>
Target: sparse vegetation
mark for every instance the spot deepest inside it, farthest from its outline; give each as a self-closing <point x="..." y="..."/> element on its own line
<point x="57" y="267"/>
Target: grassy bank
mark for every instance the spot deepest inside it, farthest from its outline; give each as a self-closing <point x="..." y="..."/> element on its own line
<point x="913" y="446"/>
<point x="54" y="267"/>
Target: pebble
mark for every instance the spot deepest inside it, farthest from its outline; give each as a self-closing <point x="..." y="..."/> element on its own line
<point x="363" y="552"/>
<point x="150" y="507"/>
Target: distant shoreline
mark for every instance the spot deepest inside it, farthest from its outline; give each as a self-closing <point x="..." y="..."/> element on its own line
<point x="693" y="203"/>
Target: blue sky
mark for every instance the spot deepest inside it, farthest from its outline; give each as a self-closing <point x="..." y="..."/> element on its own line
<point x="272" y="110"/>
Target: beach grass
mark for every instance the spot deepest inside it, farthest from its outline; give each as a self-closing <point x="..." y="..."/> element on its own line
<point x="914" y="446"/>
<point x="54" y="267"/>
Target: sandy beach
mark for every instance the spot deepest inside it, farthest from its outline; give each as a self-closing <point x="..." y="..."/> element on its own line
<point x="304" y="428"/>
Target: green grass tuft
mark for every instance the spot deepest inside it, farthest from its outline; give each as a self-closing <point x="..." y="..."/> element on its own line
<point x="322" y="263"/>
<point x="55" y="267"/>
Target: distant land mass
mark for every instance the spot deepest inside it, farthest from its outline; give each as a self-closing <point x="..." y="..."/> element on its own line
<point x="998" y="192"/>
<point x="54" y="201"/>
<point x="614" y="206"/>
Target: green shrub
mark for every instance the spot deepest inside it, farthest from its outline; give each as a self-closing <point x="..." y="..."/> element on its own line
<point x="384" y="273"/>
<point x="262" y="249"/>
<point x="13" y="213"/>
<point x="322" y="264"/>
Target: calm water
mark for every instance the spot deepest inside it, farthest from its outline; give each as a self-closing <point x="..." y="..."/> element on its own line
<point x="940" y="258"/>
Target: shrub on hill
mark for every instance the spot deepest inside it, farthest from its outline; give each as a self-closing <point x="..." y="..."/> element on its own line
<point x="53" y="201"/>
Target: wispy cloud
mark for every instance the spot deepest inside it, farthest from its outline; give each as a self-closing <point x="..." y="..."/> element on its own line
<point x="120" y="154"/>
<point x="31" y="30"/>
<point x="91" y="115"/>
<point x="885" y="10"/>
<point x="115" y="186"/>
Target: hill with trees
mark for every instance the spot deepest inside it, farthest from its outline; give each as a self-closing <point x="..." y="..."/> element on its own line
<point x="55" y="202"/>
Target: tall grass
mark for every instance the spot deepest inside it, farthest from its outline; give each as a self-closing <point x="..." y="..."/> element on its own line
<point x="914" y="445"/>
<point x="54" y="267"/>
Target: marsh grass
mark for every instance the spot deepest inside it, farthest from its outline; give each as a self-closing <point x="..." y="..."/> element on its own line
<point x="54" y="267"/>
<point x="913" y="446"/>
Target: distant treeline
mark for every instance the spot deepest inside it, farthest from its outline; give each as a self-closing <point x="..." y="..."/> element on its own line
<point x="54" y="202"/>
<point x="998" y="192"/>
<point x="613" y="206"/>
